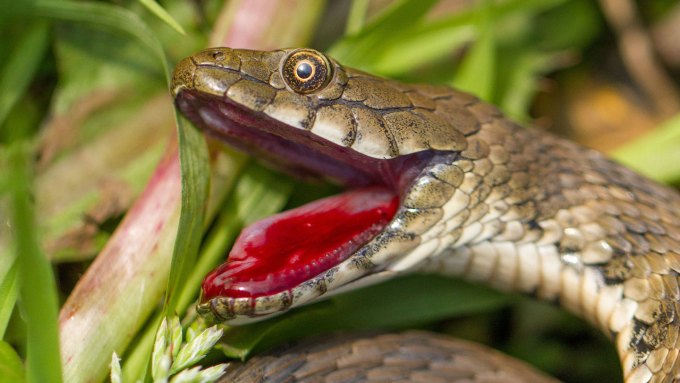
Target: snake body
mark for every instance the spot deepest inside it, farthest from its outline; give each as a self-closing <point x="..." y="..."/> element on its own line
<point x="413" y="356"/>
<point x="480" y="197"/>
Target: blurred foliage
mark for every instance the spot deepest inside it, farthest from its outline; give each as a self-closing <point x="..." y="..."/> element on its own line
<point x="76" y="76"/>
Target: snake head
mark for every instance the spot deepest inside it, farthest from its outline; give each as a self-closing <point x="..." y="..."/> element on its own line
<point x="302" y="112"/>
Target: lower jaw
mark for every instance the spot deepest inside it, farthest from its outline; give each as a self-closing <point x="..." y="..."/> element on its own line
<point x="278" y="253"/>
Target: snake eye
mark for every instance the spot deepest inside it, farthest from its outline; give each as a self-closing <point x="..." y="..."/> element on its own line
<point x="306" y="71"/>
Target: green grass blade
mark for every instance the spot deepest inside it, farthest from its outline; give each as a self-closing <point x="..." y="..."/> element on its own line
<point x="356" y="48"/>
<point x="478" y="69"/>
<point x="9" y="285"/>
<point x="9" y="289"/>
<point x="21" y="67"/>
<point x="521" y="71"/>
<point x="108" y="16"/>
<point x="397" y="15"/>
<point x="393" y="45"/>
<point x="37" y="285"/>
<point x="356" y="17"/>
<point x="162" y="14"/>
<point x="655" y="155"/>
<point x="11" y="367"/>
<point x="195" y="170"/>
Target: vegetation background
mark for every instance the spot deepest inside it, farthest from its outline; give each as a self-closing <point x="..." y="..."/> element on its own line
<point x="101" y="237"/>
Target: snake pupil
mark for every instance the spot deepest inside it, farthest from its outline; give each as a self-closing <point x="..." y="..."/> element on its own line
<point x="304" y="70"/>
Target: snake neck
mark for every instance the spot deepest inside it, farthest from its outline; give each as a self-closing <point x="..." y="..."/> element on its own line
<point x="543" y="216"/>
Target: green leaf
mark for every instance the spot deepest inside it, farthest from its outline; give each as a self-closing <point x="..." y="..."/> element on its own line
<point x="356" y="17"/>
<point x="398" y="303"/>
<point x="11" y="367"/>
<point x="518" y="78"/>
<point x="37" y="285"/>
<point x="419" y="50"/>
<point x="176" y="336"/>
<point x="394" y="45"/>
<point x="162" y="14"/>
<point x="355" y="48"/>
<point x="655" y="155"/>
<point x="196" y="349"/>
<point x="21" y="67"/>
<point x="571" y="25"/>
<point x="477" y="71"/>
<point x="195" y="170"/>
<point x="161" y="358"/>
<point x="9" y="285"/>
<point x="537" y="44"/>
<point x="116" y="374"/>
<point x="107" y="16"/>
<point x="9" y="288"/>
<point x="196" y="375"/>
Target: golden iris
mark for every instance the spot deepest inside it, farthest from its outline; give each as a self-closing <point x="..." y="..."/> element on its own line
<point x="306" y="71"/>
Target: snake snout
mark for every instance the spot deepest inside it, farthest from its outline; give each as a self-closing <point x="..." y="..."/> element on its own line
<point x="183" y="76"/>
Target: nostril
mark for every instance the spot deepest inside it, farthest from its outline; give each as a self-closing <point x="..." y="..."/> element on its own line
<point x="218" y="56"/>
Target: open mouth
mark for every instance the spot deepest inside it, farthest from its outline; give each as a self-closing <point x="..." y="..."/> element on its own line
<point x="283" y="251"/>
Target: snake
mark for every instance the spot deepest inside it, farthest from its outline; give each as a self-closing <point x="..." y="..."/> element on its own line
<point x="436" y="181"/>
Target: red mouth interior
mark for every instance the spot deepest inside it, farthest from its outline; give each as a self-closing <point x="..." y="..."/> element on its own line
<point x="286" y="249"/>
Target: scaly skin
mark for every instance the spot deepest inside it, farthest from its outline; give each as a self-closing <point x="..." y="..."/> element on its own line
<point x="413" y="356"/>
<point x="517" y="208"/>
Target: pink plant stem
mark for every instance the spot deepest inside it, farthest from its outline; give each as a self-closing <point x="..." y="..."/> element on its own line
<point x="114" y="297"/>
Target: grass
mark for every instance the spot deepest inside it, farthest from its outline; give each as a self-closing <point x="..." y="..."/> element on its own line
<point x="97" y="65"/>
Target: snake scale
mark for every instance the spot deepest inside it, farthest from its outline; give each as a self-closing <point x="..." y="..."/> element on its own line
<point x="477" y="197"/>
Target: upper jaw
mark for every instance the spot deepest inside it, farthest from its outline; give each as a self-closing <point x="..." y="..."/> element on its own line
<point x="183" y="76"/>
<point x="284" y="147"/>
